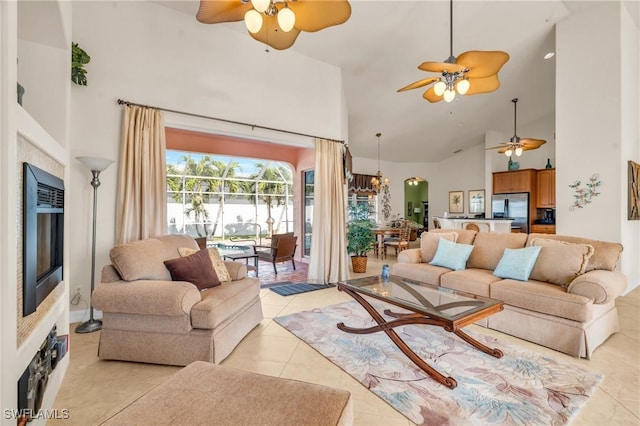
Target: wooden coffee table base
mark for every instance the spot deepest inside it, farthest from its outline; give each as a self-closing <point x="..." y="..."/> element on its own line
<point x="407" y="319"/>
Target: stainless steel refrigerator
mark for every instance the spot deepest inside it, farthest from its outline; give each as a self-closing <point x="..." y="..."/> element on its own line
<point x="514" y="206"/>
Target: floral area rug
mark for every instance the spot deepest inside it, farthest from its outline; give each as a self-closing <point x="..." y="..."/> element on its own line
<point x="521" y="388"/>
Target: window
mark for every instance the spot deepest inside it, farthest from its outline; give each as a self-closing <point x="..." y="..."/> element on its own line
<point x="228" y="198"/>
<point x="308" y="211"/>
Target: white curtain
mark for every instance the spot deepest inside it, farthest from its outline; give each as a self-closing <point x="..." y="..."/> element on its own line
<point x="141" y="205"/>
<point x="329" y="259"/>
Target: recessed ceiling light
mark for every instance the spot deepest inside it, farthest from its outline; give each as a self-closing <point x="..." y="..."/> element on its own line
<point x="549" y="55"/>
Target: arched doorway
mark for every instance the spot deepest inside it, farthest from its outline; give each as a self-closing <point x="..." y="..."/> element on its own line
<point x="416" y="200"/>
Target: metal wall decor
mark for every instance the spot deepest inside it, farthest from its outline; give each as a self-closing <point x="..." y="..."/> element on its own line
<point x="583" y="196"/>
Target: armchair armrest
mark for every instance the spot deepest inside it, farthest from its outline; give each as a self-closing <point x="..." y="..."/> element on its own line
<point x="410" y="256"/>
<point x="600" y="285"/>
<point x="146" y="297"/>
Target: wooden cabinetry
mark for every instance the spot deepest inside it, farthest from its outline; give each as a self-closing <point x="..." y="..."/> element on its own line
<point x="546" y="189"/>
<point x="516" y="181"/>
<point x="543" y="229"/>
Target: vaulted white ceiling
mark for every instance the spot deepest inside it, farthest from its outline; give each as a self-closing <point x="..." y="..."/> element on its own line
<point x="381" y="45"/>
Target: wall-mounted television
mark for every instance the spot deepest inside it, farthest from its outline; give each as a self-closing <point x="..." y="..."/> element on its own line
<point x="43" y="235"/>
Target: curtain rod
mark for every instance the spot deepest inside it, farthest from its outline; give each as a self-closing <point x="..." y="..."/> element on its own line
<point x="253" y="126"/>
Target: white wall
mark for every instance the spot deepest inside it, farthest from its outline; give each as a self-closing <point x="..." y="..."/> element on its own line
<point x="597" y="125"/>
<point x="146" y="53"/>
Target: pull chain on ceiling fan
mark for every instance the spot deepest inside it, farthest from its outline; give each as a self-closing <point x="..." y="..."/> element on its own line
<point x="470" y="73"/>
<point x="276" y="23"/>
<point x="517" y="145"/>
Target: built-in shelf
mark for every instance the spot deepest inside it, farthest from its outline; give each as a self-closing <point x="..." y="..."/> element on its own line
<point x="31" y="130"/>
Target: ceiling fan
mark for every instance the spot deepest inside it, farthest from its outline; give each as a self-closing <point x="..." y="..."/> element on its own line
<point x="517" y="145"/>
<point x="276" y="23"/>
<point x="470" y="73"/>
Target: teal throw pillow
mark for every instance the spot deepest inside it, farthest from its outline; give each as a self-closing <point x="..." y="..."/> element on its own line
<point x="451" y="255"/>
<point x="517" y="264"/>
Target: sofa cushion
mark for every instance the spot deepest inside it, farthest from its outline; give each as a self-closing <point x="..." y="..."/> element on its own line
<point x="489" y="247"/>
<point x="144" y="259"/>
<point x="422" y="272"/>
<point x="474" y="281"/>
<point x="451" y="255"/>
<point x="465" y="236"/>
<point x="517" y="263"/>
<point x="429" y="243"/>
<point x="544" y="298"/>
<point x="605" y="254"/>
<point x="217" y="262"/>
<point x="195" y="268"/>
<point x="223" y="302"/>
<point x="560" y="262"/>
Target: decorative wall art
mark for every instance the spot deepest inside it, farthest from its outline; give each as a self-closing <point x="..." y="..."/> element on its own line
<point x="456" y="201"/>
<point x="633" y="210"/>
<point x="476" y="201"/>
<point x="583" y="196"/>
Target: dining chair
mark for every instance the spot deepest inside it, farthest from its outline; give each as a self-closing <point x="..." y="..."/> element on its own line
<point x="402" y="241"/>
<point x="472" y="227"/>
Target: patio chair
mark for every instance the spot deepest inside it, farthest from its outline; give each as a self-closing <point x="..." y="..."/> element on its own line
<point x="282" y="248"/>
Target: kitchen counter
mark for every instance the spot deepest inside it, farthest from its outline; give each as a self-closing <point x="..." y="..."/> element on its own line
<point x="485" y="225"/>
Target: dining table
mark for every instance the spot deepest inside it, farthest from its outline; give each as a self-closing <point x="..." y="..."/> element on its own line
<point x="380" y="233"/>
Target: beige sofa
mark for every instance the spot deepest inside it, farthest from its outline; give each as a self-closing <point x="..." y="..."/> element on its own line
<point x="574" y="317"/>
<point x="147" y="317"/>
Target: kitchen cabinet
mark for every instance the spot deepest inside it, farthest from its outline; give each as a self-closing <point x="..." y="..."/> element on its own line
<point x="515" y="181"/>
<point x="546" y="189"/>
<point x="543" y="229"/>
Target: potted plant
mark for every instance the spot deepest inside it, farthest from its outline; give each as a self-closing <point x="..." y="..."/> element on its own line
<point x="359" y="235"/>
<point x="79" y="58"/>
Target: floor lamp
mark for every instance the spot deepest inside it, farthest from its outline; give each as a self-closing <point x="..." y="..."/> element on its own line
<point x="96" y="165"/>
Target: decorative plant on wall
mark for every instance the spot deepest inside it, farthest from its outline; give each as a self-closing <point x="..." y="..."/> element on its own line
<point x="584" y="196"/>
<point x="79" y="58"/>
<point x="386" y="203"/>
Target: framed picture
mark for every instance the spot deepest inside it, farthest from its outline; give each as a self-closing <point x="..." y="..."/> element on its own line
<point x="476" y="201"/>
<point x="633" y="209"/>
<point x="456" y="201"/>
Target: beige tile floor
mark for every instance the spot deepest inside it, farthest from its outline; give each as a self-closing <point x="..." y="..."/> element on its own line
<point x="92" y="389"/>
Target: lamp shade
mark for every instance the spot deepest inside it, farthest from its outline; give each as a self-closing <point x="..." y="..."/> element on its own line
<point x="260" y="5"/>
<point x="253" y="21"/>
<point x="417" y="210"/>
<point x="95" y="163"/>
<point x="286" y="19"/>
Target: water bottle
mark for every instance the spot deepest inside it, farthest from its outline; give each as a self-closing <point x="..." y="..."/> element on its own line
<point x="385" y="273"/>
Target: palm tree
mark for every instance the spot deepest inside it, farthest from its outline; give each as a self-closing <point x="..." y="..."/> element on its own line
<point x="198" y="182"/>
<point x="272" y="182"/>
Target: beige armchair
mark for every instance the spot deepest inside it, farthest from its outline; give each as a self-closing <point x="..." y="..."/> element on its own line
<point x="147" y="317"/>
<point x="282" y="248"/>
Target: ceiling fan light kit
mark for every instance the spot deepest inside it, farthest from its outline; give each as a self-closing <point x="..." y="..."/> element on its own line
<point x="470" y="73"/>
<point x="276" y="23"/>
<point x="516" y="144"/>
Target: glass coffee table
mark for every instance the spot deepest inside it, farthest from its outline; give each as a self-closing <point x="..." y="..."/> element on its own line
<point x="430" y="305"/>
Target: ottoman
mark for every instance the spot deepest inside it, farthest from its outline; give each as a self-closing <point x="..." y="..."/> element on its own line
<point x="210" y="394"/>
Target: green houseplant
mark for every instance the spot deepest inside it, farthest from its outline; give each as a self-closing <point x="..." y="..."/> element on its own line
<point x="79" y="58"/>
<point x="359" y="235"/>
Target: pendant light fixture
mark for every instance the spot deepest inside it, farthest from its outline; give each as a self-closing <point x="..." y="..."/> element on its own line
<point x="377" y="181"/>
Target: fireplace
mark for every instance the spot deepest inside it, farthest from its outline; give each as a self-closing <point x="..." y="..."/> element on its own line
<point x="43" y="235"/>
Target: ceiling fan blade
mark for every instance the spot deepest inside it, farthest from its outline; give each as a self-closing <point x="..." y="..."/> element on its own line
<point x="528" y="144"/>
<point x="482" y="63"/>
<point x="271" y="34"/>
<point x="502" y="145"/>
<point x="215" y="12"/>
<point x="419" y="83"/>
<point x="431" y="96"/>
<point x="315" y="15"/>
<point x="439" y="67"/>
<point x="483" y="85"/>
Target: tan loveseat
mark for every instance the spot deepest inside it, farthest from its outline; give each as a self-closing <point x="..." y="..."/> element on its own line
<point x="574" y="314"/>
<point x="147" y="317"/>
